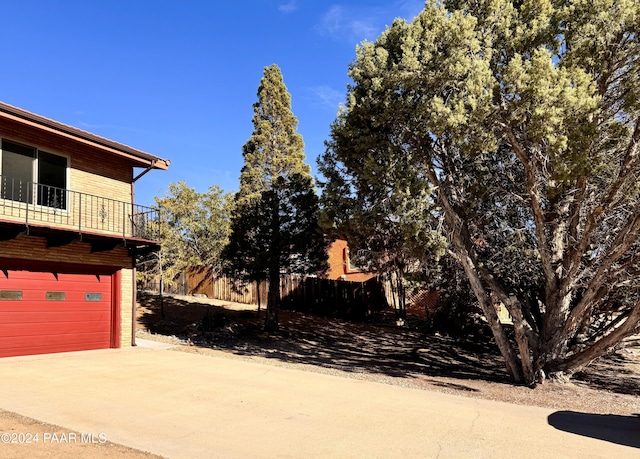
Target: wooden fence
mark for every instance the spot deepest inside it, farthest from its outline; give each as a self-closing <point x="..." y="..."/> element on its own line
<point x="334" y="298"/>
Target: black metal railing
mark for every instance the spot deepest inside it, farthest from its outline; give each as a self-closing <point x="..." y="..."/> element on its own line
<point x="34" y="203"/>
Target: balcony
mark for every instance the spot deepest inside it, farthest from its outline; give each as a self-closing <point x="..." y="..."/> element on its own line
<point x="27" y="206"/>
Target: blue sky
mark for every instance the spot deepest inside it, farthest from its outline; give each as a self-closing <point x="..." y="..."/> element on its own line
<point x="177" y="78"/>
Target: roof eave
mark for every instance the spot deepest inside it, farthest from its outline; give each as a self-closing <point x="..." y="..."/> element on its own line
<point x="138" y="157"/>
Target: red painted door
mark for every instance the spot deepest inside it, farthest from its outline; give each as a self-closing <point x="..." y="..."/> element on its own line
<point x="54" y="312"/>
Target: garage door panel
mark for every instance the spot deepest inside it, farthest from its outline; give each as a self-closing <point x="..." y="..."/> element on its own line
<point x="45" y="317"/>
<point x="51" y="345"/>
<point x="55" y="328"/>
<point x="18" y="342"/>
<point x="52" y="328"/>
<point x="42" y="307"/>
<point x="38" y="280"/>
<point x="54" y="293"/>
<point x="43" y="312"/>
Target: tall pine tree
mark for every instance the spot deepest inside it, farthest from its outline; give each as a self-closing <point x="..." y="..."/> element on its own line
<point x="275" y="228"/>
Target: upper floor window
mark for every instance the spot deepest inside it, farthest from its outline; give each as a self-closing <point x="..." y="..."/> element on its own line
<point x="29" y="174"/>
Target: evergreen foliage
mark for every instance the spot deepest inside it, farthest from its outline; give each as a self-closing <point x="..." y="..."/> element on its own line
<point x="275" y="224"/>
<point x="195" y="229"/>
<point x="521" y="121"/>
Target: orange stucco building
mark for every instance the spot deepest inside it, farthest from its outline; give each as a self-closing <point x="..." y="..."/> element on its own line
<point x="340" y="266"/>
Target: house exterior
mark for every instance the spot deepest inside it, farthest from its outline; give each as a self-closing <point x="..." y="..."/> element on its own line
<point x="340" y="267"/>
<point x="69" y="234"/>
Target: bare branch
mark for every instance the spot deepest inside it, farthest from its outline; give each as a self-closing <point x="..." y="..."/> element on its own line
<point x="530" y="164"/>
<point x="625" y="239"/>
<point x="629" y="166"/>
<point x="577" y="362"/>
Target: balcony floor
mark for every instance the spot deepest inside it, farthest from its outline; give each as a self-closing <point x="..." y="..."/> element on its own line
<point x="58" y="237"/>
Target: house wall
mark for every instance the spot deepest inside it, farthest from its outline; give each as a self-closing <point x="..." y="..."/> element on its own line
<point x="339" y="264"/>
<point x="126" y="307"/>
<point x="91" y="170"/>
<point x="99" y="184"/>
<point x="110" y="177"/>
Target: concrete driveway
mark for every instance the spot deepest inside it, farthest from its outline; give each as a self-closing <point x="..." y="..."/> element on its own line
<point x="183" y="405"/>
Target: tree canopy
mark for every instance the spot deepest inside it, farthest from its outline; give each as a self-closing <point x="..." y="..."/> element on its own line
<point x="195" y="230"/>
<point x="520" y="120"/>
<point x="370" y="200"/>
<point x="275" y="225"/>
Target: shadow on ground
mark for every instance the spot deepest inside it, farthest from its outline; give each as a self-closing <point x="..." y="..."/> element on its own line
<point x="613" y="373"/>
<point x="331" y="343"/>
<point x="377" y="347"/>
<point x="623" y="430"/>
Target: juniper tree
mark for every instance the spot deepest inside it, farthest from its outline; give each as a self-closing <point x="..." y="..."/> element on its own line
<point x="386" y="222"/>
<point x="523" y="118"/>
<point x="275" y="226"/>
<point x="194" y="231"/>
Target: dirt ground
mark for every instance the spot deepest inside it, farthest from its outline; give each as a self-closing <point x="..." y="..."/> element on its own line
<point x="383" y="352"/>
<point x="25" y="438"/>
<point x="377" y="351"/>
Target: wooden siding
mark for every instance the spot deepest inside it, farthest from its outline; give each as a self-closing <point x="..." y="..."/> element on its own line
<point x="35" y="249"/>
<point x="91" y="172"/>
<point x="91" y="167"/>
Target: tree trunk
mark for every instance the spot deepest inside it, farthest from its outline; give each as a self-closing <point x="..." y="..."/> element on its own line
<point x="258" y="293"/>
<point x="522" y="340"/>
<point x="519" y="323"/>
<point x="273" y="299"/>
<point x="402" y="296"/>
<point x="459" y="237"/>
<point x="510" y="357"/>
<point x="554" y="342"/>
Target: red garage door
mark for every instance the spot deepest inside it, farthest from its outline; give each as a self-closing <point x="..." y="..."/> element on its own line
<point x="54" y="312"/>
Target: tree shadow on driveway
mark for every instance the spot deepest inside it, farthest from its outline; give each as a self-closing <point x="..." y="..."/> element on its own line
<point x="623" y="430"/>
